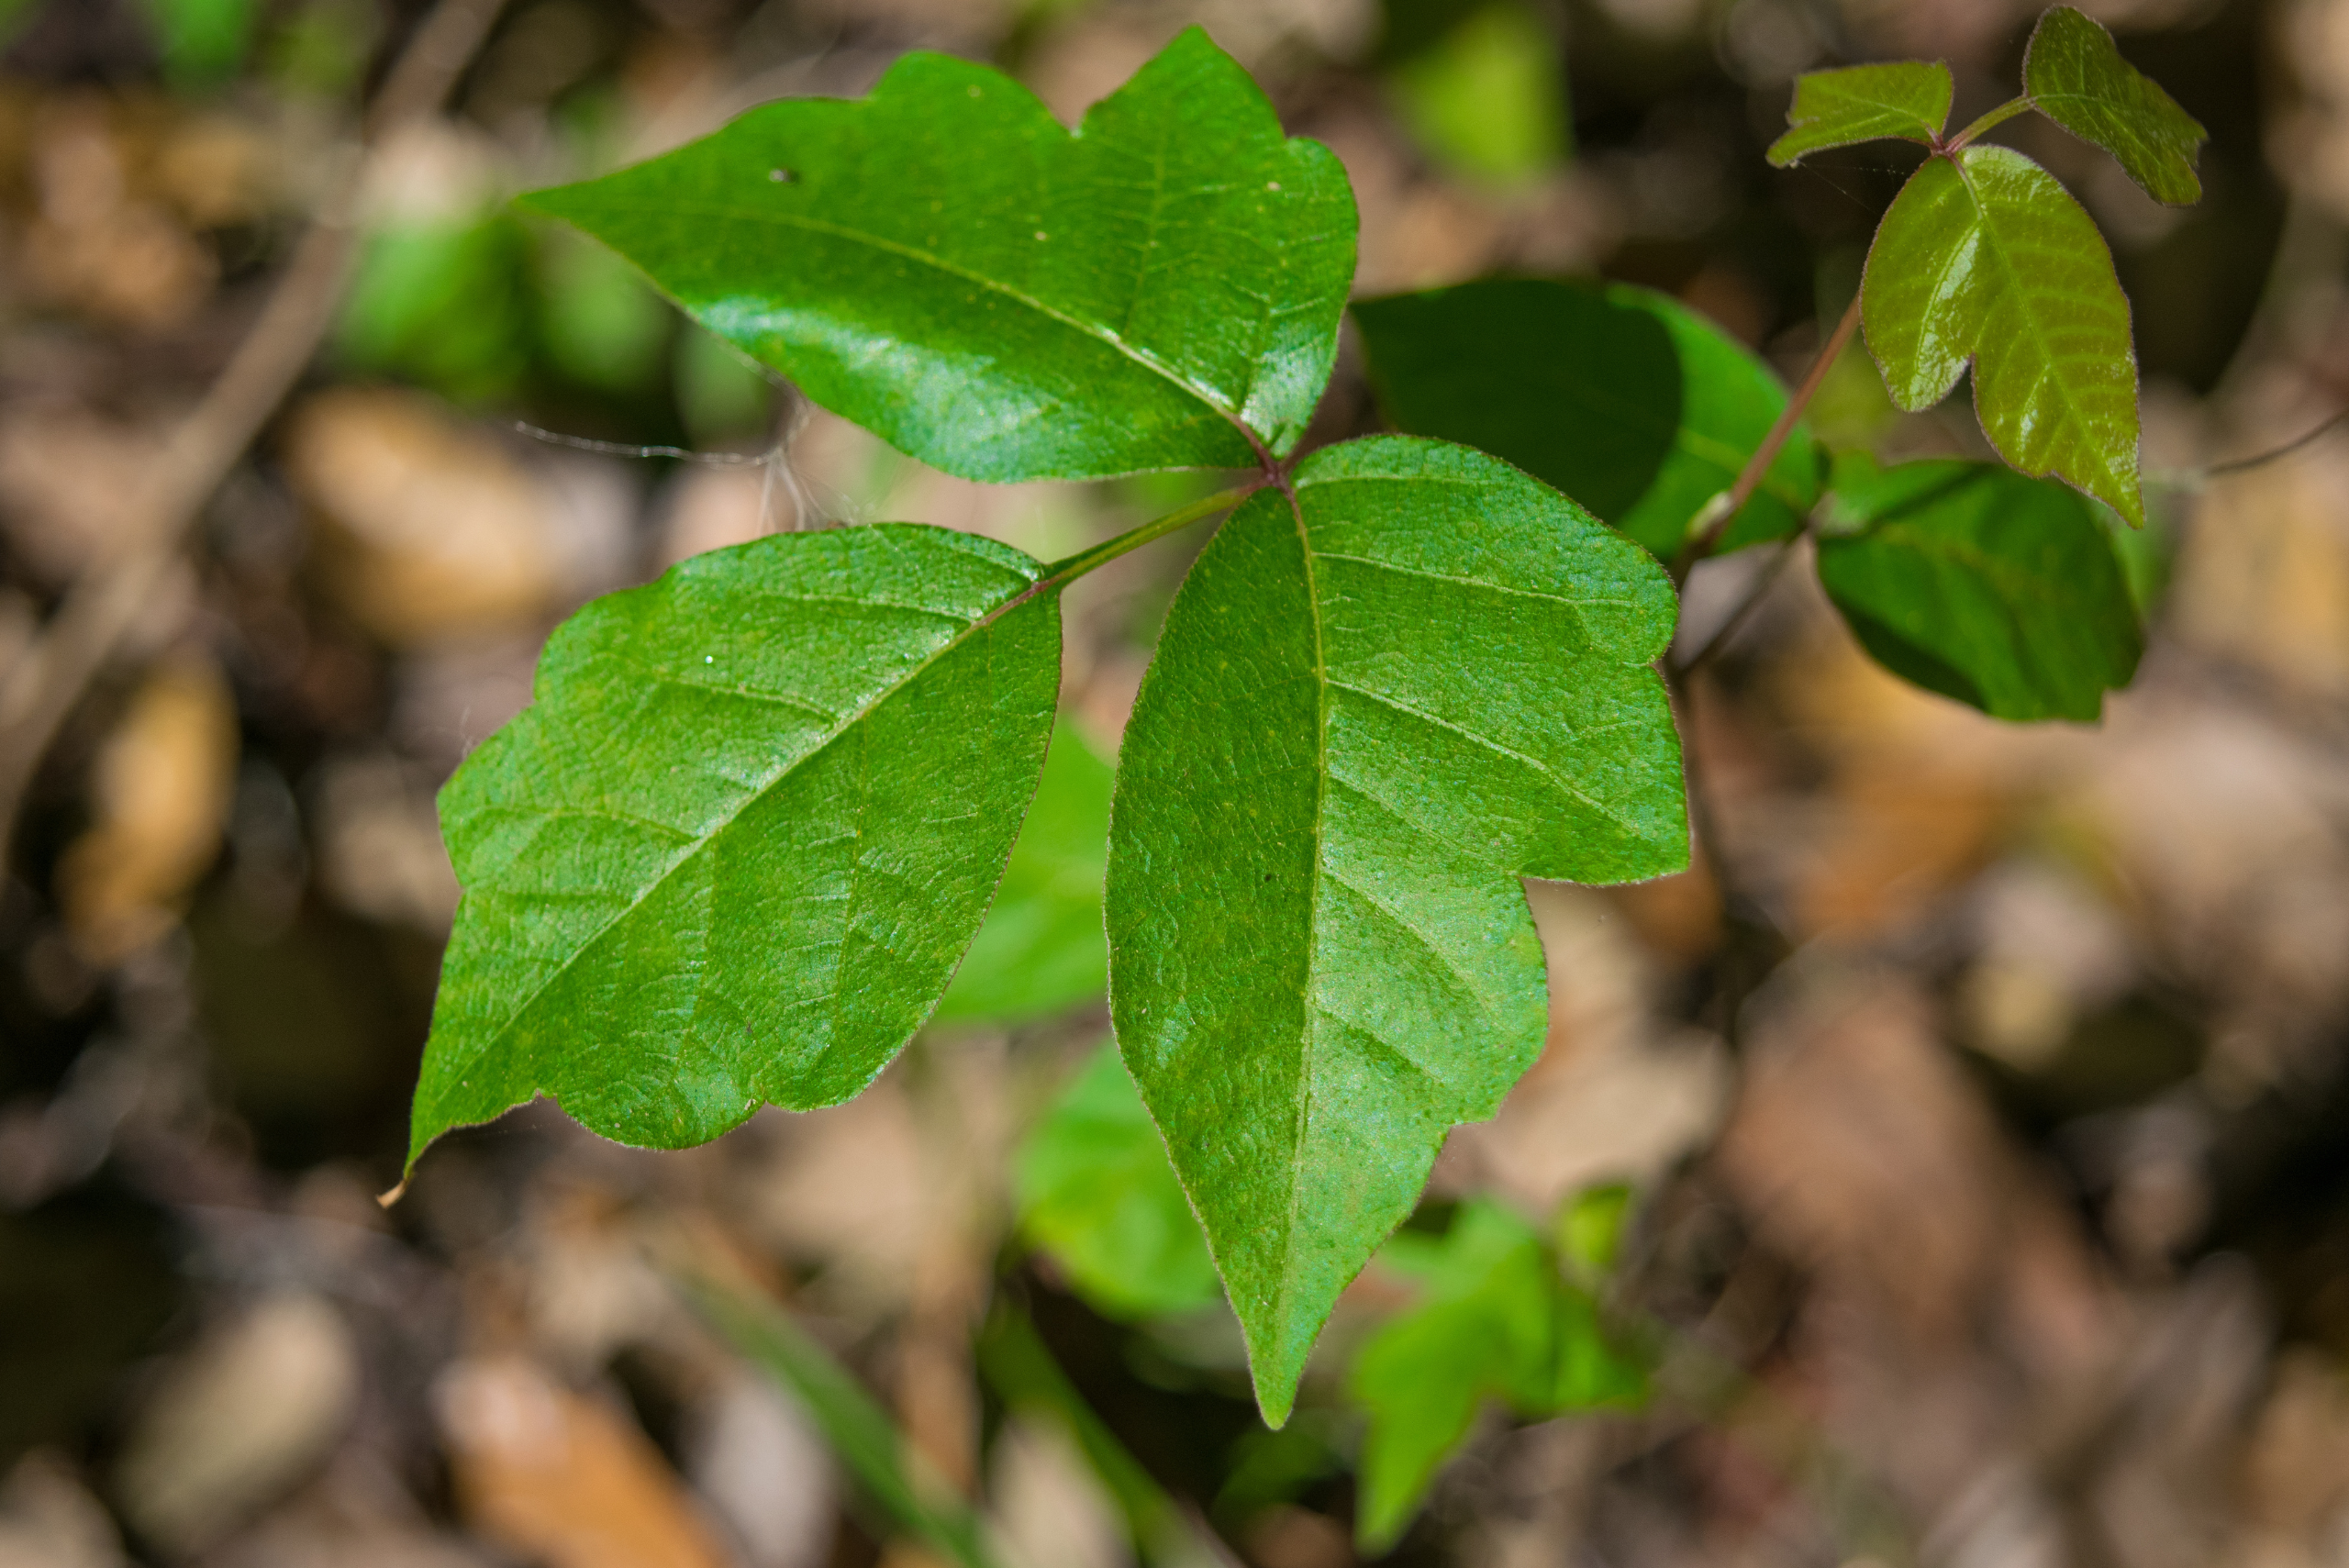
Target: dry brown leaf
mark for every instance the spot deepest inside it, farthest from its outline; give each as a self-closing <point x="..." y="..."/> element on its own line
<point x="1860" y="1148"/>
<point x="69" y="482"/>
<point x="2296" y="1470"/>
<point x="379" y="847"/>
<point x="161" y="791"/>
<point x="430" y="530"/>
<point x="48" y="1519"/>
<point x="1050" y="1505"/>
<point x="2264" y="575"/>
<point x="244" y="1416"/>
<point x="560" y="1480"/>
<point x="96" y="246"/>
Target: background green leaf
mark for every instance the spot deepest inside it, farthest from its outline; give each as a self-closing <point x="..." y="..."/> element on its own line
<point x="2074" y="75"/>
<point x="1097" y="1192"/>
<point x="945" y="264"/>
<point x="1864" y="103"/>
<point x="443" y="303"/>
<point x="733" y="851"/>
<point x="1043" y="948"/>
<point x="1373" y="710"/>
<point x="1496" y="1321"/>
<point x="1983" y="256"/>
<point x="1487" y="98"/>
<point x="1979" y="584"/>
<point x="602" y="326"/>
<point x="202" y="42"/>
<point x="1626" y="400"/>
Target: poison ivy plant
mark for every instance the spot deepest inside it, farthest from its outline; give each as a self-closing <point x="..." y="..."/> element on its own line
<point x="1508" y="365"/>
<point x="1984" y="259"/>
<point x="734" y="851"/>
<point x="1909" y="99"/>
<point x="1496" y="1321"/>
<point x="946" y="264"/>
<point x="1385" y="693"/>
<point x="1979" y="584"/>
<point x="2074" y="75"/>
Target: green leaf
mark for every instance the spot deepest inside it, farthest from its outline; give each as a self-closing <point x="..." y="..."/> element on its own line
<point x="1983" y="256"/>
<point x="733" y="850"/>
<point x="1041" y="949"/>
<point x="203" y="41"/>
<point x="1976" y="582"/>
<point x="721" y="394"/>
<point x="600" y="325"/>
<point x="1496" y="1322"/>
<point x="945" y="264"/>
<point x="440" y="303"/>
<point x="1097" y="1192"/>
<point x="1590" y="1229"/>
<point x="1487" y="99"/>
<point x="890" y="1472"/>
<point x="2074" y="75"/>
<point x="1373" y="708"/>
<point x="1624" y="399"/>
<point x="1864" y="103"/>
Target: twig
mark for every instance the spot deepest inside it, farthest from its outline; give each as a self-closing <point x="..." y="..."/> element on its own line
<point x="1734" y="622"/>
<point x="1715" y="519"/>
<point x="631" y="448"/>
<point x="2195" y="478"/>
<point x="106" y="603"/>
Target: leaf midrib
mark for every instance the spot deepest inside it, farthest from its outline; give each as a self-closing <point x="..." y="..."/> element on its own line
<point x="1099" y="332"/>
<point x="2074" y="420"/>
<point x="1289" y="1282"/>
<point x="1897" y="111"/>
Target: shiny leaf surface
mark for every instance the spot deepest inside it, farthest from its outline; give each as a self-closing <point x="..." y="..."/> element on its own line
<point x="2075" y="76"/>
<point x="1985" y="258"/>
<point x="1627" y="401"/>
<point x="945" y="264"/>
<point x="1908" y="100"/>
<point x="1373" y="710"/>
<point x="730" y="853"/>
<point x="1976" y="582"/>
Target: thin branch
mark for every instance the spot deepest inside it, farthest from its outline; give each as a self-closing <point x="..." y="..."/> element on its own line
<point x="1722" y="509"/>
<point x="1756" y="592"/>
<point x="106" y="603"/>
<point x="2195" y="478"/>
<point x="631" y="449"/>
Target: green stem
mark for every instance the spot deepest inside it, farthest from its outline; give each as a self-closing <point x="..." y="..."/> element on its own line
<point x="1722" y="510"/>
<point x="1973" y="132"/>
<point x="1064" y="572"/>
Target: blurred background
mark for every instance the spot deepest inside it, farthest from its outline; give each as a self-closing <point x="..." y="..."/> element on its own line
<point x="1994" y="1157"/>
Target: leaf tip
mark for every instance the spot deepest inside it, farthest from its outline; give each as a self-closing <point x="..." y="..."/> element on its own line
<point x="1274" y="1369"/>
